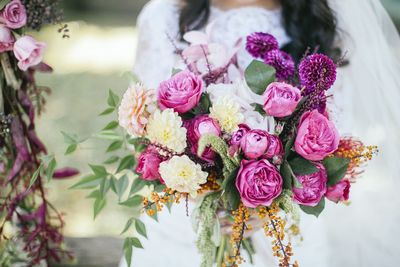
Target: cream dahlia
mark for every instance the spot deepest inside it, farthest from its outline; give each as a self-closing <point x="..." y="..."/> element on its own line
<point x="137" y="105"/>
<point x="228" y="114"/>
<point x="165" y="128"/>
<point x="183" y="175"/>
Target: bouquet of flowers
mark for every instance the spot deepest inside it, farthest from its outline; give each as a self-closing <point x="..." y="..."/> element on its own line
<point x="248" y="146"/>
<point x="30" y="226"/>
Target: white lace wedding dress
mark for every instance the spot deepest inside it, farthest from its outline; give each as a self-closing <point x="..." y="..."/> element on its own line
<point x="359" y="235"/>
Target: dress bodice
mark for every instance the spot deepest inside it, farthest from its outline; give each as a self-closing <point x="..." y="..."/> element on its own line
<point x="159" y="35"/>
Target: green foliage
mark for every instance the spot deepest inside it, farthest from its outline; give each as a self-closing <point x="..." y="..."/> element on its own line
<point x="258" y="76"/>
<point x="316" y="211"/>
<point x="289" y="178"/>
<point x="336" y="168"/>
<point x="3" y="3"/>
<point x="230" y="193"/>
<point x="301" y="166"/>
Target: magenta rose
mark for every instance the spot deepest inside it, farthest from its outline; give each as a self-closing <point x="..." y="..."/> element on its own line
<point x="148" y="164"/>
<point x="339" y="192"/>
<point x="181" y="93"/>
<point x="13" y="15"/>
<point x="313" y="187"/>
<point x="237" y="137"/>
<point x="6" y="39"/>
<point x="281" y="99"/>
<point x="201" y="125"/>
<point x="258" y="183"/>
<point x="317" y="137"/>
<point x="28" y="51"/>
<point x="255" y="143"/>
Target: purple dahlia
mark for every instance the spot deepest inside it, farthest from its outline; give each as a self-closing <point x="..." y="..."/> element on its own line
<point x="259" y="44"/>
<point x="282" y="62"/>
<point x="317" y="71"/>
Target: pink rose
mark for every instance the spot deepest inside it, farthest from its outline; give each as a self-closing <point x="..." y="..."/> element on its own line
<point x="28" y="51"/>
<point x="317" y="137"/>
<point x="148" y="164"/>
<point x="6" y="39"/>
<point x="181" y="93"/>
<point x="313" y="187"/>
<point x="13" y="15"/>
<point x="281" y="99"/>
<point x="254" y="144"/>
<point x="237" y="138"/>
<point x="339" y="192"/>
<point x="258" y="183"/>
<point x="201" y="125"/>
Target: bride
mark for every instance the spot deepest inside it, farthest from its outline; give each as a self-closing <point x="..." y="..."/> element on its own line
<point x="368" y="86"/>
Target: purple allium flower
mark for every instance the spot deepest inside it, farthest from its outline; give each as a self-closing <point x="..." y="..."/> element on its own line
<point x="282" y="62"/>
<point x="259" y="44"/>
<point x="317" y="71"/>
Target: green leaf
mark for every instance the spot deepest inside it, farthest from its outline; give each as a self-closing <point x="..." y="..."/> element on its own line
<point x="259" y="108"/>
<point x="287" y="176"/>
<point x="95" y="194"/>
<point x="107" y="111"/>
<point x="140" y="228"/>
<point x="111" y="126"/>
<point x="120" y="185"/>
<point x="134" y="201"/>
<point x="288" y="146"/>
<point x="316" y="211"/>
<point x="205" y="102"/>
<point x="69" y="138"/>
<point x="99" y="170"/>
<point x="104" y="186"/>
<point x="137" y="185"/>
<point x="175" y="71"/>
<point x="127" y="225"/>
<point x="258" y="76"/>
<point x="98" y="206"/>
<point x="336" y="168"/>
<point x="136" y="242"/>
<point x="230" y="191"/>
<point x="87" y="182"/>
<point x="109" y="135"/>
<point x="113" y="99"/>
<point x="301" y="166"/>
<point x="3" y="3"/>
<point x="35" y="176"/>
<point x="115" y="146"/>
<point x="70" y="149"/>
<point x="128" y="248"/>
<point x="111" y="160"/>
<point x="126" y="163"/>
<point x="50" y="169"/>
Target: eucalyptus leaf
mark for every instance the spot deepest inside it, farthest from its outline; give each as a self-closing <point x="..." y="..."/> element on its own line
<point x="137" y="185"/>
<point x="134" y="201"/>
<point x="258" y="76"/>
<point x="105" y="185"/>
<point x="107" y="111"/>
<point x="114" y="146"/>
<point x="127" y="225"/>
<point x="99" y="170"/>
<point x="70" y="149"/>
<point x="127" y="162"/>
<point x="113" y="99"/>
<point x="121" y="185"/>
<point x="111" y="126"/>
<point x="87" y="182"/>
<point x="128" y="249"/>
<point x="111" y="160"/>
<point x="98" y="206"/>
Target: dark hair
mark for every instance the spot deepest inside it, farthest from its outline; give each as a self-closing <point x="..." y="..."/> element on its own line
<point x="309" y="24"/>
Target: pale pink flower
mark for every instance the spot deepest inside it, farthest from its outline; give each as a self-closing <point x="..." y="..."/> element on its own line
<point x="28" y="51"/>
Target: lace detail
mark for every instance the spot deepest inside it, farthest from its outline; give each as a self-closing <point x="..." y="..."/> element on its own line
<point x="156" y="56"/>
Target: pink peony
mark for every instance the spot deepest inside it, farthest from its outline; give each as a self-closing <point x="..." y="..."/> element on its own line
<point x="275" y="147"/>
<point x="237" y="137"/>
<point x="13" y="15"/>
<point x="255" y="143"/>
<point x="281" y="99"/>
<point x="313" y="187"/>
<point x="200" y="125"/>
<point x="181" y="93"/>
<point x="339" y="192"/>
<point x="148" y="164"/>
<point x="317" y="137"/>
<point x="258" y="183"/>
<point x="6" y="39"/>
<point x="28" y="51"/>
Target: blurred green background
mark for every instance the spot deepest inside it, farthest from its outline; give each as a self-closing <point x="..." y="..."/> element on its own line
<point x="96" y="57"/>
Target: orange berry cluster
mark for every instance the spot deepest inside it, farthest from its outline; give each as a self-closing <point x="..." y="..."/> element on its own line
<point x="211" y="185"/>
<point x="241" y="216"/>
<point x="357" y="152"/>
<point x="160" y="200"/>
<point x="275" y="229"/>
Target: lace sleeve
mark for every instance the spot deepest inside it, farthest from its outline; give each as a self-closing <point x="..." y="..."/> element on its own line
<point x="155" y="55"/>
